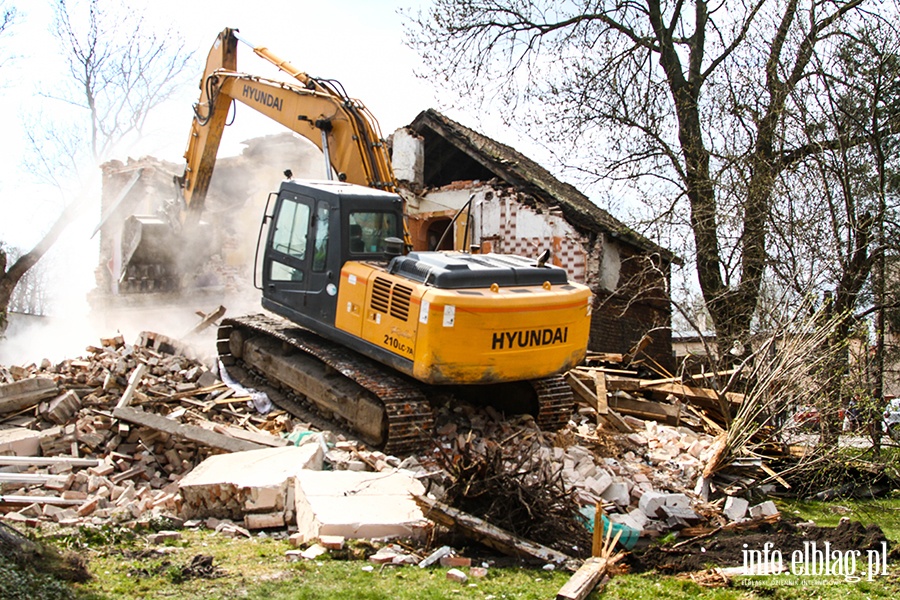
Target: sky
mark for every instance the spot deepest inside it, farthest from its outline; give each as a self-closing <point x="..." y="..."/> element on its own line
<point x="357" y="42"/>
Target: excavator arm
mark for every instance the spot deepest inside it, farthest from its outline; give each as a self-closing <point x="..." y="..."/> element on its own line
<point x="317" y="109"/>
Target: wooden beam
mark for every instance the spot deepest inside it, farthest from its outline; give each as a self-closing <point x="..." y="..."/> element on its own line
<point x="133" y="382"/>
<point x="600" y="386"/>
<point x="647" y="409"/>
<point x="25" y="393"/>
<point x="26" y="500"/>
<point x="188" y="432"/>
<point x="585" y="579"/>
<point x="584" y="393"/>
<point x="206" y="321"/>
<point x="46" y="461"/>
<point x="693" y="393"/>
<point x="487" y="534"/>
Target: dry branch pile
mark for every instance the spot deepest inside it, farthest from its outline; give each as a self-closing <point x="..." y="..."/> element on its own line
<point x="512" y="488"/>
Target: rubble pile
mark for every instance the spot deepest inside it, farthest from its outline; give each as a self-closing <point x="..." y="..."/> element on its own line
<point x="643" y="480"/>
<point x="70" y="450"/>
<point x="129" y="433"/>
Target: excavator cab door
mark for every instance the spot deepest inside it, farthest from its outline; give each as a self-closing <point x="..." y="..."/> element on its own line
<point x="301" y="259"/>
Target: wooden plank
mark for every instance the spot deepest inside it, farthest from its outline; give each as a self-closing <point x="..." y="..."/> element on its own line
<point x="617" y="382"/>
<point x="206" y="321"/>
<point x="487" y="534"/>
<point x="264" y="439"/>
<point x="615" y="420"/>
<point x="711" y="425"/>
<point x="25" y="393"/>
<point x="188" y="432"/>
<point x="646" y="409"/>
<point x="31" y="478"/>
<point x="694" y="393"/>
<point x="600" y="386"/>
<point x="582" y="391"/>
<point x="46" y="461"/>
<point x="584" y="580"/>
<point x="133" y="382"/>
<point x="55" y="500"/>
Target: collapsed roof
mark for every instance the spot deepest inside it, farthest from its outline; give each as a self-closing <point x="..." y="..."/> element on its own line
<point x="453" y="152"/>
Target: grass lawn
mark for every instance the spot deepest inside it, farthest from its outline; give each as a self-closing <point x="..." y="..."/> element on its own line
<point x="125" y="566"/>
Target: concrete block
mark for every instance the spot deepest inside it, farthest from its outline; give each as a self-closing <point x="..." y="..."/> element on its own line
<point x="63" y="407"/>
<point x="637" y="439"/>
<point x="408" y="156"/>
<point x="763" y="509"/>
<point x="638" y="517"/>
<point x="163" y="536"/>
<point x="264" y="520"/>
<point x="18" y="441"/>
<point x="358" y="505"/>
<point x="585" y="469"/>
<point x="634" y="519"/>
<point x="313" y="552"/>
<point x="735" y="508"/>
<point x="232" y="485"/>
<point x="651" y="502"/>
<point x="678" y="501"/>
<point x="332" y="542"/>
<point x="617" y="492"/>
<point x="457" y="575"/>
<point x="599" y="482"/>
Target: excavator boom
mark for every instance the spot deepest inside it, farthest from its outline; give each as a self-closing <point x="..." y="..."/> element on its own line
<point x="318" y="109"/>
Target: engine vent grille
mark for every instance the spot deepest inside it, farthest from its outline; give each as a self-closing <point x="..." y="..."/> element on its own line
<point x="391" y="298"/>
<point x="381" y="295"/>
<point x="400" y="302"/>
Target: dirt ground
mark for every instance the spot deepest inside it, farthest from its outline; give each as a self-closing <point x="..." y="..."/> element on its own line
<point x="726" y="549"/>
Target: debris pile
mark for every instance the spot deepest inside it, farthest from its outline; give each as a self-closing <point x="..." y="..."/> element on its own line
<point x="129" y="433"/>
<point x="109" y="435"/>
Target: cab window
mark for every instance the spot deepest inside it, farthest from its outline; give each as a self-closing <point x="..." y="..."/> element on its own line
<point x="291" y="229"/>
<point x="368" y="230"/>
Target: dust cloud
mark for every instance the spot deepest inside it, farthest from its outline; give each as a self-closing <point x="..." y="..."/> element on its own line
<point x="86" y="307"/>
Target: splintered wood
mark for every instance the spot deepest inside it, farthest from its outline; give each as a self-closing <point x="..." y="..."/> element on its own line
<point x="664" y="400"/>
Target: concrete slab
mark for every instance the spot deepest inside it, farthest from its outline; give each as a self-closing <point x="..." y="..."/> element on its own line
<point x="358" y="505"/>
<point x="735" y="508"/>
<point x="255" y="481"/>
<point x="18" y="441"/>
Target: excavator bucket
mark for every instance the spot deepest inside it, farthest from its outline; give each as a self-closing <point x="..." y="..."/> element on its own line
<point x="149" y="255"/>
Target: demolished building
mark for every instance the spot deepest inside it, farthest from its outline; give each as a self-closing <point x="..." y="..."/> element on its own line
<point x="518" y="207"/>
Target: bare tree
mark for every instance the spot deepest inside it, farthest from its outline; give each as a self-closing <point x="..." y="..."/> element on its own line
<point x="120" y="70"/>
<point x="7" y="16"/>
<point x="11" y="275"/>
<point x="7" y="19"/>
<point x="692" y="102"/>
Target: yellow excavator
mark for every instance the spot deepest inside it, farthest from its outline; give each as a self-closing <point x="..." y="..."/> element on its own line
<point x="367" y="330"/>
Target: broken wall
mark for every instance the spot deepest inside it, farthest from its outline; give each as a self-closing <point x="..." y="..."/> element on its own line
<point x="234" y="206"/>
<point x="628" y="284"/>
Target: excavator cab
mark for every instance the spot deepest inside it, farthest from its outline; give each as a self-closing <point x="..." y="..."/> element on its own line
<point x="315" y="228"/>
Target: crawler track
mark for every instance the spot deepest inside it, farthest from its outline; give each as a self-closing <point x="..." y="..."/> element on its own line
<point x="386" y="409"/>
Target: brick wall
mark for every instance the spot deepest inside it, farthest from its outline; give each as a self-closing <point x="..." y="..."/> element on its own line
<point x="638" y="306"/>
